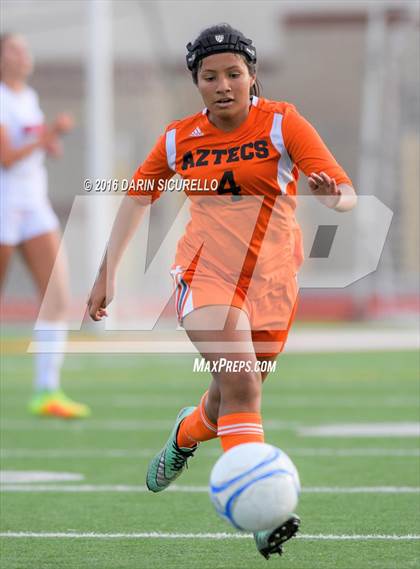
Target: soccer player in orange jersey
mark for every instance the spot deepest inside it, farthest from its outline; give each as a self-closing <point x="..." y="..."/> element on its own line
<point x="235" y="267"/>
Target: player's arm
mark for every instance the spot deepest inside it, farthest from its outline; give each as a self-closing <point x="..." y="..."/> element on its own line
<point x="129" y="216"/>
<point x="326" y="178"/>
<point x="10" y="155"/>
<point x="62" y="124"/>
<point x="47" y="140"/>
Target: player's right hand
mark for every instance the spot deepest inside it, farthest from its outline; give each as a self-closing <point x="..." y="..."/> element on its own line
<point x="101" y="295"/>
<point x="63" y="123"/>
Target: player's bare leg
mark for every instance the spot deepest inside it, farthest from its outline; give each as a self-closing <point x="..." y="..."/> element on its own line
<point x="169" y="463"/>
<point x="267" y="542"/>
<point x="6" y="253"/>
<point x="49" y="272"/>
<point x="233" y="391"/>
<point x="213" y="397"/>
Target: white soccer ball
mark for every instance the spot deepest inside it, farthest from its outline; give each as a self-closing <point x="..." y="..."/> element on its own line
<point x="254" y="486"/>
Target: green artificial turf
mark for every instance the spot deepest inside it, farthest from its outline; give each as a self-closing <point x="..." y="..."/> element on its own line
<point x="134" y="402"/>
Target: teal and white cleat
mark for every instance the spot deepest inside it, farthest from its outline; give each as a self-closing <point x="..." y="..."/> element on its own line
<point x="169" y="463"/>
<point x="271" y="541"/>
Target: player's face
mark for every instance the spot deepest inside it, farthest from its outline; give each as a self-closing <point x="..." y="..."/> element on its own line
<point x="224" y="83"/>
<point x="16" y="59"/>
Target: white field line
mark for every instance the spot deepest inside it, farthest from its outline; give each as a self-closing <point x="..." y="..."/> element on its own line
<point x="316" y="340"/>
<point x="25" y="453"/>
<point x="275" y="401"/>
<point x="113" y="425"/>
<point x="125" y="488"/>
<point x="349" y="430"/>
<point x="283" y="403"/>
<point x="36" y="476"/>
<point x="215" y="536"/>
<point x="400" y="429"/>
<point x="351" y="340"/>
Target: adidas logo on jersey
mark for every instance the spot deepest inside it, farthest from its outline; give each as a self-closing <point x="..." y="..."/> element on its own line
<point x="197" y="132"/>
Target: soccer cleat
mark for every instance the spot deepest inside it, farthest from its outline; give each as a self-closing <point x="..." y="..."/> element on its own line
<point x="271" y="541"/>
<point x="57" y="404"/>
<point x="169" y="463"/>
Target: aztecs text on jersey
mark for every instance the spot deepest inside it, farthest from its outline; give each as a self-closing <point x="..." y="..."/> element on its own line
<point x="242" y="185"/>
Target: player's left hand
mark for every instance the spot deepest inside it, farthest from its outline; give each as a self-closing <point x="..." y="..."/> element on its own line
<point x="325" y="188"/>
<point x="322" y="185"/>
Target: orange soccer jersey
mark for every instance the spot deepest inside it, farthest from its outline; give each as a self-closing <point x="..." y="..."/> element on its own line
<point x="242" y="246"/>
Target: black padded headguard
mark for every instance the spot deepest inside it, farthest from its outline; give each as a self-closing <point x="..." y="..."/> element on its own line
<point x="220" y="43"/>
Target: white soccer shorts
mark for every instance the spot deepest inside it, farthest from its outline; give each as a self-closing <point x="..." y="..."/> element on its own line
<point x="19" y="223"/>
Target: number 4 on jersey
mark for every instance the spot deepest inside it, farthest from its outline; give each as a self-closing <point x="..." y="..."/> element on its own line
<point x="227" y="185"/>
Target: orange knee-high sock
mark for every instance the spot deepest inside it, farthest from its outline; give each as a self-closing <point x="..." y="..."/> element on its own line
<point x="197" y="427"/>
<point x="238" y="428"/>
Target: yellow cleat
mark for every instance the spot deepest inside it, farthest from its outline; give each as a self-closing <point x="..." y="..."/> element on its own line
<point x="57" y="404"/>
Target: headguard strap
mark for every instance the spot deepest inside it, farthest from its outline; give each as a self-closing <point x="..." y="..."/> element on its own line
<point x="220" y="43"/>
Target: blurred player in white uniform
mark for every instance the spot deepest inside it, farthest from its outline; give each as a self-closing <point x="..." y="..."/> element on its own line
<point x="27" y="220"/>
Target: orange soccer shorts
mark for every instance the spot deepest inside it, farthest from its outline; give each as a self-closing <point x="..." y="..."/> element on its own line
<point x="270" y="311"/>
